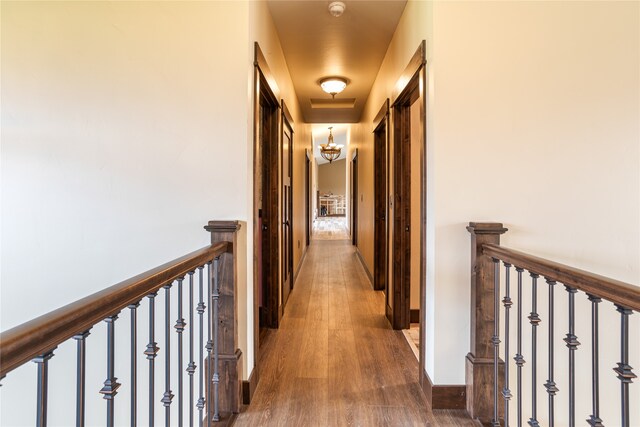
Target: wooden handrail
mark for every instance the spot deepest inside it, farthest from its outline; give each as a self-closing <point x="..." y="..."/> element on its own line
<point x="35" y="337"/>
<point x="615" y="291"/>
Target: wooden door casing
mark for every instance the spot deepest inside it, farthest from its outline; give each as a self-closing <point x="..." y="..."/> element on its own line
<point x="287" y="204"/>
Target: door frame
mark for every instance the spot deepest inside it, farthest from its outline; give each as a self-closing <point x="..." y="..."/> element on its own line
<point x="286" y="203"/>
<point x="354" y="198"/>
<point x="415" y="74"/>
<point x="381" y="205"/>
<point x="265" y="91"/>
<point x="307" y="196"/>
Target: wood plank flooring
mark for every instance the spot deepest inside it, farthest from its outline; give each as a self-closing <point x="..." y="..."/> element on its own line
<point x="335" y="361"/>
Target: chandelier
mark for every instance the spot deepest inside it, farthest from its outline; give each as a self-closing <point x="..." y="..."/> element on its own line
<point x="330" y="151"/>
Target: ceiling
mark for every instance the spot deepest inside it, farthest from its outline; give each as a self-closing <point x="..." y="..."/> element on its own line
<point x="318" y="45"/>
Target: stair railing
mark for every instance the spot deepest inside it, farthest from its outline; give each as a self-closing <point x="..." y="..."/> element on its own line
<point x="209" y="276"/>
<point x="489" y="381"/>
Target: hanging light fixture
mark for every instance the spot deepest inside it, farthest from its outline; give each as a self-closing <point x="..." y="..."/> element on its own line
<point x="333" y="85"/>
<point x="330" y="151"/>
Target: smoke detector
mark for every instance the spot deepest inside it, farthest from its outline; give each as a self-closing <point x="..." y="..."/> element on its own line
<point x="337" y="8"/>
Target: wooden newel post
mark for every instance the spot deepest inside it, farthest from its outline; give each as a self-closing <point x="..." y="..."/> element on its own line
<point x="479" y="362"/>
<point x="230" y="356"/>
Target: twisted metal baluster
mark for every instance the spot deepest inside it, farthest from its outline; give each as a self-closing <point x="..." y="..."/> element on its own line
<point x="209" y="345"/>
<point x="201" y="310"/>
<point x="216" y="344"/>
<point x="168" y="396"/>
<point x="534" y="319"/>
<point x="151" y="352"/>
<point x="519" y="359"/>
<point x="624" y="371"/>
<point x="495" y="339"/>
<point x="43" y="384"/>
<point x="550" y="385"/>
<point x="594" y="420"/>
<point x="506" y="301"/>
<point x="191" y="368"/>
<point x="134" y="364"/>
<point x="180" y="324"/>
<point x="81" y="362"/>
<point x="111" y="384"/>
<point x="572" y="343"/>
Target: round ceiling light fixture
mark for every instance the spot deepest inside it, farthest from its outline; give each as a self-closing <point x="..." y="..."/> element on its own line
<point x="337" y="8"/>
<point x="333" y="85"/>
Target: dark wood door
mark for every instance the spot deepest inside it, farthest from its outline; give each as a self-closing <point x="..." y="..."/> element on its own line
<point x="354" y="200"/>
<point x="268" y="212"/>
<point x="307" y="198"/>
<point x="287" y="208"/>
<point x="402" y="217"/>
<point x="380" y="249"/>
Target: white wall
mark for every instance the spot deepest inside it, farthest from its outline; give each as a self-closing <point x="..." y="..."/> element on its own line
<point x="532" y="120"/>
<point x="123" y="132"/>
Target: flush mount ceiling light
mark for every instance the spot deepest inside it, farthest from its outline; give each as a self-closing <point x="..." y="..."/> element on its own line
<point x="333" y="85"/>
<point x="330" y="151"/>
<point x="337" y="8"/>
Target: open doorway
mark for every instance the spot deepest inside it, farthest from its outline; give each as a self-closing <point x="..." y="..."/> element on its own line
<point x="354" y="198"/>
<point x="267" y="203"/>
<point x="287" y="204"/>
<point x="331" y="180"/>
<point x="407" y="287"/>
<point x="380" y="195"/>
<point x="307" y="198"/>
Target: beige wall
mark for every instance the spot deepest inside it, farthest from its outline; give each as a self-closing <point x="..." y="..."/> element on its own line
<point x="332" y="177"/>
<point x="416" y="141"/>
<point x="532" y="120"/>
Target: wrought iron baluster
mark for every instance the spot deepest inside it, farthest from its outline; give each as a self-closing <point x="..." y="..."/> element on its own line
<point x="43" y="384"/>
<point x="180" y="325"/>
<point x="495" y="339"/>
<point x="168" y="396"/>
<point x="151" y="352"/>
<point x="572" y="343"/>
<point x="506" y="301"/>
<point x="519" y="359"/>
<point x="624" y="371"/>
<point x="191" y="368"/>
<point x="80" y="376"/>
<point x="534" y="319"/>
<point x="594" y="420"/>
<point x="201" y="309"/>
<point x="133" y="309"/>
<point x="209" y="345"/>
<point x="216" y="346"/>
<point x="111" y="384"/>
<point x="550" y="385"/>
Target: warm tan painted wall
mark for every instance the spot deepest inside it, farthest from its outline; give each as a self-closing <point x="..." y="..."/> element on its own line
<point x="416" y="141"/>
<point x="332" y="177"/>
<point x="532" y="120"/>
<point x="361" y="139"/>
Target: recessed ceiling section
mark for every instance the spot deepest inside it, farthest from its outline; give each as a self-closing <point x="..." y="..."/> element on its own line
<point x="317" y="45"/>
<point x="333" y="103"/>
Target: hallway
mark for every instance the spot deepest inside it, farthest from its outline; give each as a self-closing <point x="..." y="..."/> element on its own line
<point x="335" y="361"/>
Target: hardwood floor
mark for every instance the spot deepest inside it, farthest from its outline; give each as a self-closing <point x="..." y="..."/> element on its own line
<point x="335" y="361"/>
